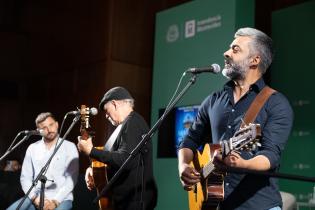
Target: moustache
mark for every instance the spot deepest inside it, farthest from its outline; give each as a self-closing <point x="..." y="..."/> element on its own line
<point x="228" y="61"/>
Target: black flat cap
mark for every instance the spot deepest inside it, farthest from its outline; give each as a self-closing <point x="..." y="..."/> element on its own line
<point x="116" y="93"/>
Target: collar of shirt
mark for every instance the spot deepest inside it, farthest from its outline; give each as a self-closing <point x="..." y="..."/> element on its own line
<point x="257" y="86"/>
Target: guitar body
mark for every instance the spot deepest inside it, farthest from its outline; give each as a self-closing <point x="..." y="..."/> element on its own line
<point x="209" y="192"/>
<point x="100" y="181"/>
<point x="206" y="194"/>
<point x="99" y="168"/>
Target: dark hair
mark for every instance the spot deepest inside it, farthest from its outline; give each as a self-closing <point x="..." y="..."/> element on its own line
<point x="261" y="44"/>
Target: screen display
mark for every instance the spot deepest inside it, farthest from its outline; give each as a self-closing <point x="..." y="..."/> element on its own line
<point x="174" y="128"/>
<point x="184" y="118"/>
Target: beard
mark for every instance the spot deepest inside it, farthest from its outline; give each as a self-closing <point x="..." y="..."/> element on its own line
<point x="51" y="136"/>
<point x="235" y="70"/>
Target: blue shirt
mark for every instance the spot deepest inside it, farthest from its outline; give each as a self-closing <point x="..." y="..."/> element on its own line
<point x="219" y="118"/>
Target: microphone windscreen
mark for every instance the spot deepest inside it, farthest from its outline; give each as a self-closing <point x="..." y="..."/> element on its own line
<point x="216" y="68"/>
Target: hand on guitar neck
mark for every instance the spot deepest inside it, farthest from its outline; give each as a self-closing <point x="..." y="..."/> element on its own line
<point x="233" y="159"/>
<point x="85" y="146"/>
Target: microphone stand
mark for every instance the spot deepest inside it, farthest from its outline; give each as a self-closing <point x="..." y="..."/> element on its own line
<point x="43" y="180"/>
<point x="145" y="139"/>
<point x="15" y="146"/>
<point x="41" y="175"/>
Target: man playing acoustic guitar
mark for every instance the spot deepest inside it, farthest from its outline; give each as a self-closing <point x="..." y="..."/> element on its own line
<point x="135" y="189"/>
<point x="220" y="116"/>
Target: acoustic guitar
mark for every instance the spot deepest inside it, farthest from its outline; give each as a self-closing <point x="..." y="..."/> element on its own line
<point x="209" y="192"/>
<point x="99" y="168"/>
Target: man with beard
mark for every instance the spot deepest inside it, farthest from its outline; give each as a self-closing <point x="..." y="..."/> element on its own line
<point x="135" y="188"/>
<point x="220" y="116"/>
<point x="61" y="174"/>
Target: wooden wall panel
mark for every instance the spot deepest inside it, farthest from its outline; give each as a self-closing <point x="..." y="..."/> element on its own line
<point x="133" y="29"/>
<point x="136" y="79"/>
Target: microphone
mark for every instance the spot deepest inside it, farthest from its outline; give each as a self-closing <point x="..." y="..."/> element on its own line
<point x="214" y="68"/>
<point x="39" y="132"/>
<point x="91" y="111"/>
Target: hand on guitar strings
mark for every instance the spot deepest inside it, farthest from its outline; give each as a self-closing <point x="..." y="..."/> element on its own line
<point x="85" y="146"/>
<point x="188" y="176"/>
<point x="89" y="180"/>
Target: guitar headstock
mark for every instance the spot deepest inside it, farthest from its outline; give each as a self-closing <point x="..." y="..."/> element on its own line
<point x="247" y="138"/>
<point x="85" y="122"/>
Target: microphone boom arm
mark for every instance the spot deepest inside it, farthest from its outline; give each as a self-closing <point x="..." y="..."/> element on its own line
<point x="15" y="146"/>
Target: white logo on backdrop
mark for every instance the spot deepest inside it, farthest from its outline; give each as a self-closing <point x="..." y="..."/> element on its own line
<point x="209" y="23"/>
<point x="172" y="33"/>
<point x="190" y="28"/>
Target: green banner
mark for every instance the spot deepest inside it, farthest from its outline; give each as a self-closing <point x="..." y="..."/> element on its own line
<point x="195" y="34"/>
<point x="293" y="72"/>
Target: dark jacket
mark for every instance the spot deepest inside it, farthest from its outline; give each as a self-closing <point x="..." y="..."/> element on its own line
<point x="127" y="190"/>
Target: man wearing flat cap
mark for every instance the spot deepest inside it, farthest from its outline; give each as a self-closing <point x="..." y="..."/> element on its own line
<point x="135" y="188"/>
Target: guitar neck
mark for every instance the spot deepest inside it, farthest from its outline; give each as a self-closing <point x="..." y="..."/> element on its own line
<point x="84" y="134"/>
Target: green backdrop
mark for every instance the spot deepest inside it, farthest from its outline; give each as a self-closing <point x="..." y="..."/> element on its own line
<point x="293" y="72"/>
<point x="194" y="34"/>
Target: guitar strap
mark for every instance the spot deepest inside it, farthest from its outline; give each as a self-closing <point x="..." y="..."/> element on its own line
<point x="256" y="105"/>
<point x="110" y="142"/>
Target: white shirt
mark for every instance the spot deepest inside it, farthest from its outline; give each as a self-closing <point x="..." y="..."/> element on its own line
<point x="63" y="170"/>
